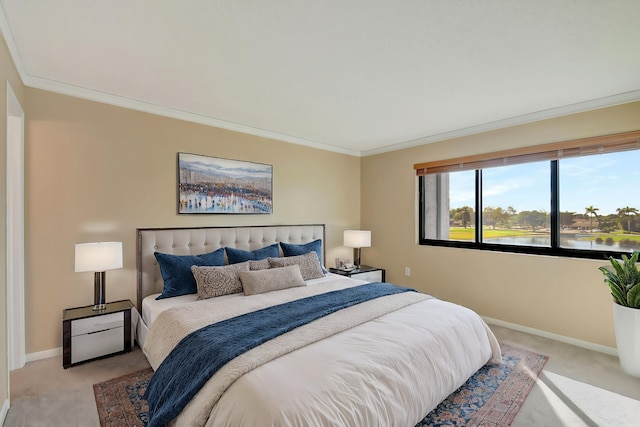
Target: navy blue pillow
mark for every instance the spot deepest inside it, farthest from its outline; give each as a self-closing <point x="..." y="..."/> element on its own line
<point x="289" y="249"/>
<point x="238" y="255"/>
<point x="176" y="271"/>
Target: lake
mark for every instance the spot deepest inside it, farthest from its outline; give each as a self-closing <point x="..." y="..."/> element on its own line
<point x="566" y="241"/>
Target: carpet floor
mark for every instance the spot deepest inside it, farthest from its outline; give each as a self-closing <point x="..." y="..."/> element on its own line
<point x="492" y="396"/>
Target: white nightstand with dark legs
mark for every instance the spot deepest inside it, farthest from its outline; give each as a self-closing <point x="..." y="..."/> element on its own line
<point x="365" y="272"/>
<point x="89" y="334"/>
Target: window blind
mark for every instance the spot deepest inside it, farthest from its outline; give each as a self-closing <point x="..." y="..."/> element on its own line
<point x="553" y="151"/>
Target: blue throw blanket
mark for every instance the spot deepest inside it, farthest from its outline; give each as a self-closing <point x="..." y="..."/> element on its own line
<point x="203" y="352"/>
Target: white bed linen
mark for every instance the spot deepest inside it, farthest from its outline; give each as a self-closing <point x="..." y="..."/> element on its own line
<point x="389" y="371"/>
<point x="151" y="307"/>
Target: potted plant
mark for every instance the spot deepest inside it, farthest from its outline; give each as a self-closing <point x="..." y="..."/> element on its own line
<point x="623" y="278"/>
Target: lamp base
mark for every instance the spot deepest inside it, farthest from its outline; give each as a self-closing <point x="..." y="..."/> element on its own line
<point x="99" y="297"/>
<point x="356" y="257"/>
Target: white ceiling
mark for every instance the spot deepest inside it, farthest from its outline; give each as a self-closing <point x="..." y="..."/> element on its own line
<point x="353" y="76"/>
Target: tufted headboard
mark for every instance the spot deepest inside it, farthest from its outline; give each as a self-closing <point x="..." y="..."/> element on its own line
<point x="193" y="241"/>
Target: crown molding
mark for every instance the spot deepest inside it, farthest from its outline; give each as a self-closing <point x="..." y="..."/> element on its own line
<point x="5" y="29"/>
<point x="580" y="107"/>
<point x="134" y="104"/>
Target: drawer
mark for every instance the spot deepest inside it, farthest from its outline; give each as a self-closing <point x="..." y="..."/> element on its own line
<point x="97" y="323"/>
<point x="369" y="276"/>
<point x="90" y="345"/>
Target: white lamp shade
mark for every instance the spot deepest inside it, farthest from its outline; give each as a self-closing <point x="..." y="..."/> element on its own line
<point x="100" y="256"/>
<point x="357" y="238"/>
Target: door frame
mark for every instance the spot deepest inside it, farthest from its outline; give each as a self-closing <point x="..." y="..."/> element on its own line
<point x="15" y="232"/>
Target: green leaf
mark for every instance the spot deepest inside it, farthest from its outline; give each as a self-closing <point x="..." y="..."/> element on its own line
<point x="619" y="296"/>
<point x="633" y="296"/>
<point x="623" y="278"/>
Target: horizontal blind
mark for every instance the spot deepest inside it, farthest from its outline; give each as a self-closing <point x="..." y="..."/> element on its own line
<point x="553" y="151"/>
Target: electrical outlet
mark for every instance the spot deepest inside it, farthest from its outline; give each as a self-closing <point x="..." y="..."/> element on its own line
<point x="407" y="271"/>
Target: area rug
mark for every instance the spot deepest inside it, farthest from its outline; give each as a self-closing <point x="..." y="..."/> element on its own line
<point x="491" y="397"/>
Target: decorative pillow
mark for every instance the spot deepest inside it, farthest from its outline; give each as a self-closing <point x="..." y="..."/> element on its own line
<point x="217" y="281"/>
<point x="290" y="249"/>
<point x="176" y="271"/>
<point x="262" y="264"/>
<point x="273" y="279"/>
<point x="238" y="255"/>
<point x="308" y="263"/>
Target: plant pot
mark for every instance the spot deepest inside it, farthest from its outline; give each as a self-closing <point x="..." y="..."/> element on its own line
<point x="626" y="321"/>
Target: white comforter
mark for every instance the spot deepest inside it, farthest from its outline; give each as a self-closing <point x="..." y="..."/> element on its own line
<point x="386" y="362"/>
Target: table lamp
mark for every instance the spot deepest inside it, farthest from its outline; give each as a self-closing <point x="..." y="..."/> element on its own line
<point x="357" y="239"/>
<point x="98" y="257"/>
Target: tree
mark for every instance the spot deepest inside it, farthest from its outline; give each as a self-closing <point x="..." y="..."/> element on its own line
<point x="466" y="215"/>
<point x="610" y="223"/>
<point x="591" y="212"/>
<point x="509" y="214"/>
<point x="626" y="212"/>
<point x="462" y="215"/>
<point x="566" y="219"/>
<point x="534" y="219"/>
<point x="492" y="216"/>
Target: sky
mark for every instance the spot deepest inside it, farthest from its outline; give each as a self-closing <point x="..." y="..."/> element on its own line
<point x="225" y="167"/>
<point x="606" y="182"/>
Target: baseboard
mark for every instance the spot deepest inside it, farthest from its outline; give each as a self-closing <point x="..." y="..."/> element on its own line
<point x="568" y="340"/>
<point x="31" y="357"/>
<point x="3" y="411"/>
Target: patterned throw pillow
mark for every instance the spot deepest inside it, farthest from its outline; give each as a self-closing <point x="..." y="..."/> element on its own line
<point x="273" y="279"/>
<point x="262" y="264"/>
<point x="217" y="281"/>
<point x="290" y="249"/>
<point x="308" y="263"/>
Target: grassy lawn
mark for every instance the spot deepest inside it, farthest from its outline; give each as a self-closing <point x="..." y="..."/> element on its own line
<point x="460" y="233"/>
<point x="617" y="236"/>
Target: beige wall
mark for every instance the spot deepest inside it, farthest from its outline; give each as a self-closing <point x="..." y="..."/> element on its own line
<point x="97" y="172"/>
<point x="558" y="295"/>
<point x="8" y="73"/>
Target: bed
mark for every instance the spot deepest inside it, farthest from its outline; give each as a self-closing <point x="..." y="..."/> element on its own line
<point x="387" y="360"/>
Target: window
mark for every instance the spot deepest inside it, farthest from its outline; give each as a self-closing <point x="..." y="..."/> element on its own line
<point x="600" y="202"/>
<point x="577" y="198"/>
<point x="450" y="206"/>
<point x="516" y="205"/>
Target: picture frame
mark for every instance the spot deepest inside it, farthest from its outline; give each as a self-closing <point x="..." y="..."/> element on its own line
<point x="214" y="185"/>
<point x="344" y="264"/>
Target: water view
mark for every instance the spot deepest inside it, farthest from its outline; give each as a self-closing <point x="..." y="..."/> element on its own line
<point x="597" y="203"/>
<point x="573" y="241"/>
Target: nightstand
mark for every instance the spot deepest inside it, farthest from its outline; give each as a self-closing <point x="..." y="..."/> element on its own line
<point x="89" y="334"/>
<point x="365" y="272"/>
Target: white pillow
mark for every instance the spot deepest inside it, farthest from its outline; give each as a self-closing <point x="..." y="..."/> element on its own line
<point x="309" y="264"/>
<point x="272" y="279"/>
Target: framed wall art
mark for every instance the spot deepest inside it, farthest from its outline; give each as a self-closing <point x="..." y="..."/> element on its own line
<point x="211" y="185"/>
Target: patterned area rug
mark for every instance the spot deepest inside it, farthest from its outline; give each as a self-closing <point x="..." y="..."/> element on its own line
<point x="491" y="397"/>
